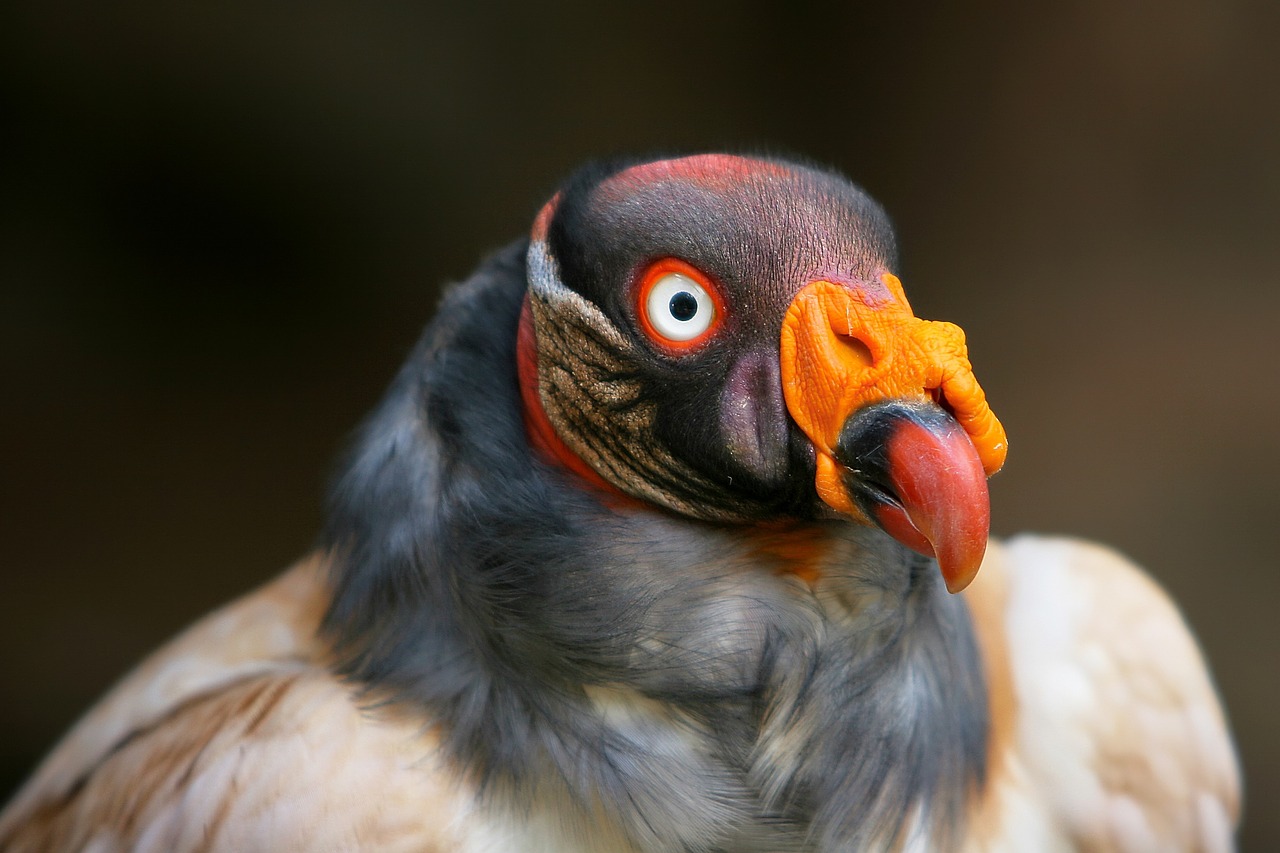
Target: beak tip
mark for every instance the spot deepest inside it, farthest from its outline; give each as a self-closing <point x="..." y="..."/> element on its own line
<point x="958" y="577"/>
<point x="958" y="552"/>
<point x="963" y="544"/>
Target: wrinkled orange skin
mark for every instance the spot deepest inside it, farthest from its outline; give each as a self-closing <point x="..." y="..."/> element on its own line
<point x="844" y="346"/>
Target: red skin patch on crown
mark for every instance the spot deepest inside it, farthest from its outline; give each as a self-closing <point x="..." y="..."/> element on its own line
<point x="543" y="220"/>
<point x="712" y="171"/>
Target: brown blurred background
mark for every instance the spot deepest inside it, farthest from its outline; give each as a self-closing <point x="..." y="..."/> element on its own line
<point x="222" y="228"/>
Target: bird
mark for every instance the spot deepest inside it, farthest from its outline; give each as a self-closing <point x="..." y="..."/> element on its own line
<point x="671" y="534"/>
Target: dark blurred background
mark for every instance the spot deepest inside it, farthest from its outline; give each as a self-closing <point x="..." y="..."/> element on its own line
<point x="221" y="229"/>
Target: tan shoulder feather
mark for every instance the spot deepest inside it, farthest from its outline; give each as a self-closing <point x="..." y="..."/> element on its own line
<point x="1120" y="737"/>
<point x="236" y="737"/>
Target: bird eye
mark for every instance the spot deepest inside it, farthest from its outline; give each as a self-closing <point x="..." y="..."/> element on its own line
<point x="677" y="304"/>
<point x="679" y="308"/>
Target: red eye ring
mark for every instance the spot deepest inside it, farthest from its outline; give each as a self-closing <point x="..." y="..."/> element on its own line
<point x="660" y="272"/>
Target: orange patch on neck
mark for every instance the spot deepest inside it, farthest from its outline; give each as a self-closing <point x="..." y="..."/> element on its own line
<point x="797" y="548"/>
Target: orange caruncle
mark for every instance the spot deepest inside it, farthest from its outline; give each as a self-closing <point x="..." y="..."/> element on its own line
<point x="846" y="346"/>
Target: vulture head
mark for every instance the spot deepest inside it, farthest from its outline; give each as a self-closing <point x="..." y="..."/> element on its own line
<point x="726" y="338"/>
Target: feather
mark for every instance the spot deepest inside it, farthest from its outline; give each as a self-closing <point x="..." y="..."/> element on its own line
<point x="236" y="736"/>
<point x="1114" y="739"/>
<point x="488" y="653"/>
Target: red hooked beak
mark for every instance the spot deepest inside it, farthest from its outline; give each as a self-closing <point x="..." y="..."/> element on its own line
<point x="861" y="375"/>
<point x="911" y="469"/>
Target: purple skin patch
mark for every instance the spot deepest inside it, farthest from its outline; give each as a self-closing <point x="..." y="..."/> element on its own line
<point x="753" y="417"/>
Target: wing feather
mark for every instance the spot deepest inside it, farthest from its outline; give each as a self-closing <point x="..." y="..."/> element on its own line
<point x="1120" y="738"/>
<point x="236" y="737"/>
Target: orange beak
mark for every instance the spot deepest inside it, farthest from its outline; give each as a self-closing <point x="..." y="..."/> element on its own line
<point x="903" y="433"/>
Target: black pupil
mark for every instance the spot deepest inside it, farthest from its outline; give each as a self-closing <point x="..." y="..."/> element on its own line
<point x="683" y="306"/>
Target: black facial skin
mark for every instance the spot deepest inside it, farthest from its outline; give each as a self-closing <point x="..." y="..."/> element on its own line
<point x="760" y="241"/>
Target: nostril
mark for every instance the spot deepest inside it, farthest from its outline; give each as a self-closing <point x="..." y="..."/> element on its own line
<point x="854" y="351"/>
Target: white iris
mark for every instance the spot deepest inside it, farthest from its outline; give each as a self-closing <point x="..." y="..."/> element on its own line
<point x="679" y="308"/>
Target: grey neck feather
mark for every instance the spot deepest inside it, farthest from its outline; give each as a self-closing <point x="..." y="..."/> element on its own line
<point x="656" y="672"/>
